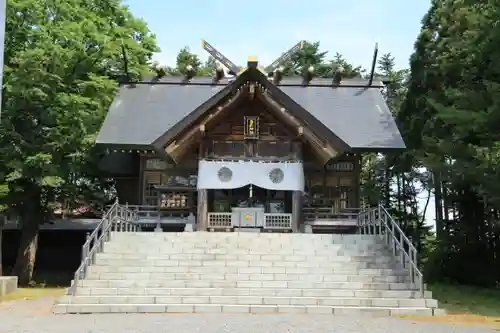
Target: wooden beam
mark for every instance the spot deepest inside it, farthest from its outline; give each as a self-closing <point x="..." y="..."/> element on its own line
<point x="180" y="146"/>
<point x="324" y="150"/>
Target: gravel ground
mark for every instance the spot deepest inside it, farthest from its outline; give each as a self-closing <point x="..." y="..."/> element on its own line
<point x="35" y="316"/>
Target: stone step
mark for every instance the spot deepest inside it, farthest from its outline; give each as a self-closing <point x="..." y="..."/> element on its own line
<point x="132" y="243"/>
<point x="241" y="242"/>
<point x="245" y="252"/>
<point x="317" y="269"/>
<point x="272" y="238"/>
<point x="241" y="263"/>
<point x="253" y="300"/>
<point x="283" y="239"/>
<point x="247" y="273"/>
<point x="176" y="236"/>
<point x="290" y="244"/>
<point x="147" y="283"/>
<point x="282" y="292"/>
<point x="254" y="309"/>
<point x="344" y="274"/>
<point x="337" y="251"/>
<point x="247" y="257"/>
<point x="297" y="275"/>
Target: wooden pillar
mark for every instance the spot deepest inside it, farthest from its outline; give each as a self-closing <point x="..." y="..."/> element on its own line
<point x="296" y="209"/>
<point x="202" y="207"/>
<point x="357" y="181"/>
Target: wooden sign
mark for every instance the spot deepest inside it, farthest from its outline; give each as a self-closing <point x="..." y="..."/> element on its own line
<point x="251" y="127"/>
<point x="156" y="164"/>
<point x="340" y="166"/>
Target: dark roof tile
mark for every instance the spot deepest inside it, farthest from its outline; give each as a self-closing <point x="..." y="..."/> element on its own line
<point x="138" y="116"/>
<point x="358" y="116"/>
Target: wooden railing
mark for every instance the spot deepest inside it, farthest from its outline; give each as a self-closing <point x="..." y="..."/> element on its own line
<point x="278" y="221"/>
<point x="312" y="213"/>
<point x="155" y="212"/>
<point x="149" y="216"/>
<point x="271" y="221"/>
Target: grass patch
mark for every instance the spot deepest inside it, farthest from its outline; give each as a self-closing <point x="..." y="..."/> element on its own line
<point x="458" y="299"/>
<point x="465" y="305"/>
<point x="32" y="294"/>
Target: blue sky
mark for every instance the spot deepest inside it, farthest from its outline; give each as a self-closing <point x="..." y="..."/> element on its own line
<point x="268" y="28"/>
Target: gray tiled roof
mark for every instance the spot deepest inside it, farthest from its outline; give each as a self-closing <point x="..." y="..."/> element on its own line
<point x="358" y="116"/>
<point x="139" y="115"/>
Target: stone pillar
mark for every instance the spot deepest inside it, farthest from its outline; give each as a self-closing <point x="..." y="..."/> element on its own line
<point x="296" y="210"/>
<point x="201" y="218"/>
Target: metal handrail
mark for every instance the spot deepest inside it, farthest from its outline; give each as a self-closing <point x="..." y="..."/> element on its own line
<point x="377" y="221"/>
<point x="117" y="218"/>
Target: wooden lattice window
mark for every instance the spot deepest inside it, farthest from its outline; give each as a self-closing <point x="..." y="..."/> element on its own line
<point x="274" y="149"/>
<point x="175" y="200"/>
<point x="151" y="179"/>
<point x="228" y="148"/>
<point x="339" y="191"/>
<point x="340" y="166"/>
<point x="169" y="199"/>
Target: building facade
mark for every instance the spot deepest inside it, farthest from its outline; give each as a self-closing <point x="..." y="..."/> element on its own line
<point x="250" y="152"/>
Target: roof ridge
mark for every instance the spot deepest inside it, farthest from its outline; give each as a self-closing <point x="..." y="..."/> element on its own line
<point x="323" y="83"/>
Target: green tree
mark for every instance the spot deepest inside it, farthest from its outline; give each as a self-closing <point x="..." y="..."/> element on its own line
<point x="184" y="58"/>
<point x="349" y="70"/>
<point x="310" y="55"/>
<point x="62" y="60"/>
<point x="4" y="189"/>
<point x="450" y="120"/>
<point x="208" y="67"/>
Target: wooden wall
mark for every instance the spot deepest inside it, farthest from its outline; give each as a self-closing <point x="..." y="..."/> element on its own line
<point x="275" y="141"/>
<point x="336" y="184"/>
<point x="128" y="190"/>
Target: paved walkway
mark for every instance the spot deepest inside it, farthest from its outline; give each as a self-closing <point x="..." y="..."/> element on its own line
<point x="35" y="316"/>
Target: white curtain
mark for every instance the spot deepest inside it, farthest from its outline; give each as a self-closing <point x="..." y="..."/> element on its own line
<point x="272" y="176"/>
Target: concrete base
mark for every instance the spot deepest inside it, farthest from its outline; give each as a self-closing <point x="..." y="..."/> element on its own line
<point x="80" y="308"/>
<point x="308" y="229"/>
<point x="247" y="230"/>
<point x="439" y="312"/>
<point x="8" y="284"/>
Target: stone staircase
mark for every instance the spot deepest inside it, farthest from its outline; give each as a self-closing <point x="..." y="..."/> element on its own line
<point x="243" y="272"/>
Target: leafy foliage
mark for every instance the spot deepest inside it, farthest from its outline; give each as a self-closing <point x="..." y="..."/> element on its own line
<point x="450" y="121"/>
<point x="62" y="60"/>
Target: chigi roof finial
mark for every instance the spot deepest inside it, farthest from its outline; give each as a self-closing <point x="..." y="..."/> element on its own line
<point x="252" y="62"/>
<point x="374" y="63"/>
<point x="231" y="67"/>
<point x="128" y="78"/>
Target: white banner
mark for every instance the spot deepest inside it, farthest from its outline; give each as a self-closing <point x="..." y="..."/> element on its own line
<point x="271" y="176"/>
